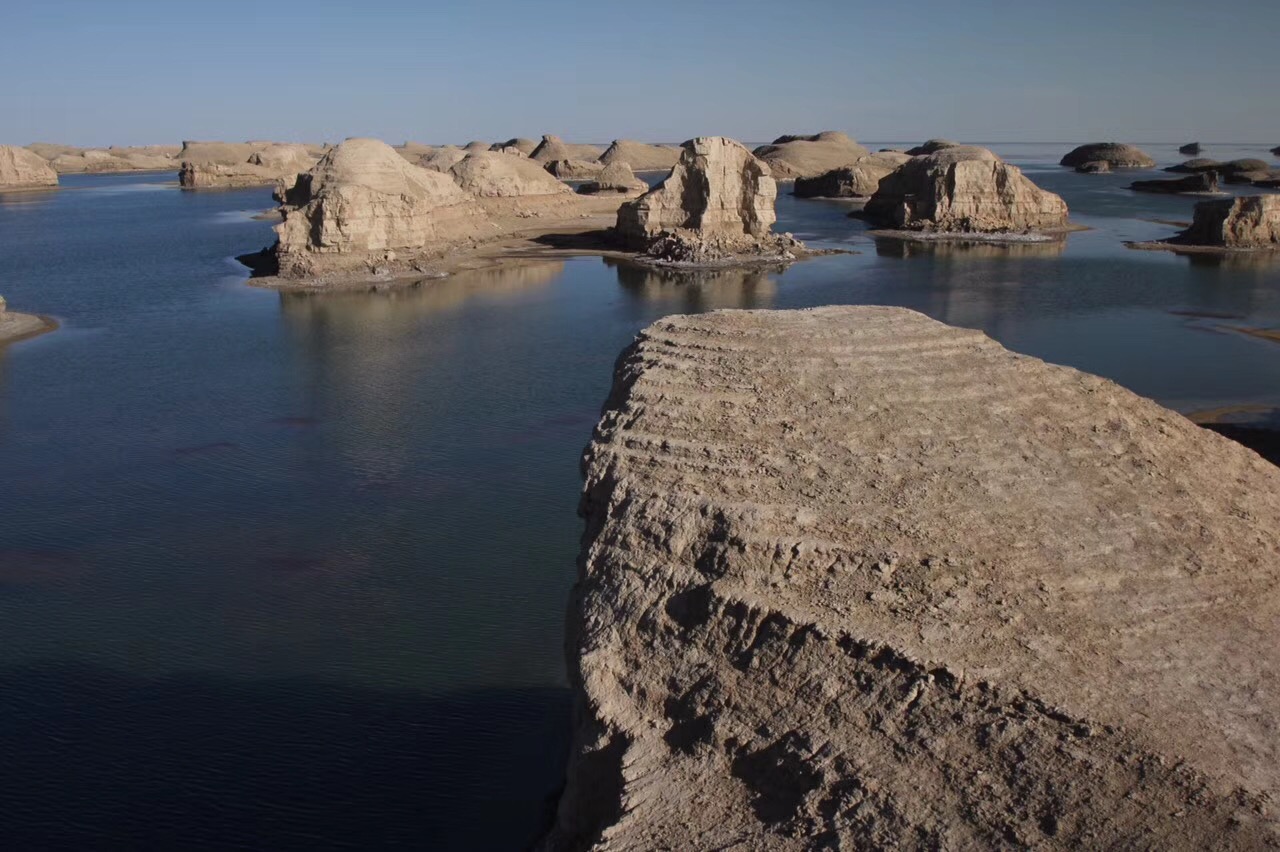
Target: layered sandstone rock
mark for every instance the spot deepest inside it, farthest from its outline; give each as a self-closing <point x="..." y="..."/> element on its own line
<point x="23" y="169"/>
<point x="853" y="579"/>
<point x="1250" y="222"/>
<point x="494" y="175"/>
<point x="717" y="203"/>
<point x="792" y="157"/>
<point x="226" y="153"/>
<point x="616" y="177"/>
<point x="1117" y="155"/>
<point x="964" y="190"/>
<point x="641" y="157"/>
<point x="1196" y="184"/>
<point x="553" y="148"/>
<point x="99" y="161"/>
<point x="859" y="180"/>
<point x="363" y="203"/>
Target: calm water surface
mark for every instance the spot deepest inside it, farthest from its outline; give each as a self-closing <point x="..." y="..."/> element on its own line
<point x="290" y="571"/>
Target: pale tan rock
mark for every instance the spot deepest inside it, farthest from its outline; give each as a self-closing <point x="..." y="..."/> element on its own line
<point x="640" y="156"/>
<point x="553" y="148"/>
<point x="442" y="159"/>
<point x="859" y="180"/>
<point x="414" y="151"/>
<point x="615" y="177"/>
<point x="792" y="157"/>
<point x="853" y="579"/>
<point x="964" y="189"/>
<point x="489" y="174"/>
<point x="15" y="326"/>
<point x="1250" y="222"/>
<point x="517" y="144"/>
<point x="269" y="163"/>
<point x="50" y="150"/>
<point x="226" y="153"/>
<point x="363" y="203"/>
<point x="932" y="146"/>
<point x="24" y="169"/>
<point x="575" y="169"/>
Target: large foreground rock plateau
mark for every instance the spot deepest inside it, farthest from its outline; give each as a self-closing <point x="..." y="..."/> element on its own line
<point x="853" y="579"/>
<point x="964" y="190"/>
<point x="23" y="169"/>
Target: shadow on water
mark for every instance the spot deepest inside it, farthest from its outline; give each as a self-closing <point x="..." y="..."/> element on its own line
<point x="97" y="759"/>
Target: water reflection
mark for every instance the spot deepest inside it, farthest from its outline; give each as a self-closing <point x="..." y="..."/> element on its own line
<point x="966" y="249"/>
<point x="698" y="290"/>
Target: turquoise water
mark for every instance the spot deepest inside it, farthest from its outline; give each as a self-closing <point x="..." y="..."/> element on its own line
<point x="289" y="571"/>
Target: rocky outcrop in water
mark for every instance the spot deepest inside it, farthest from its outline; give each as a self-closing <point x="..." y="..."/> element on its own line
<point x="616" y="177"/>
<point x="23" y="169"/>
<point x="1195" y="166"/>
<point x="1191" y="149"/>
<point x="853" y="579"/>
<point x="1117" y="155"/>
<point x="493" y="175"/>
<point x="793" y="157"/>
<point x="716" y="205"/>
<point x="1196" y="184"/>
<point x="933" y="146"/>
<point x="14" y="326"/>
<point x="964" y="190"/>
<point x="1250" y="222"/>
<point x="363" y="203"/>
<point x="1094" y="167"/>
<point x="859" y="180"/>
<point x="553" y="148"/>
<point x="641" y="157"/>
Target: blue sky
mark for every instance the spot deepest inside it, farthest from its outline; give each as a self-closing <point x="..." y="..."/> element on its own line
<point x="96" y="73"/>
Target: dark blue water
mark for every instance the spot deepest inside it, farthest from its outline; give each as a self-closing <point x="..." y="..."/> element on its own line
<point x="290" y="571"/>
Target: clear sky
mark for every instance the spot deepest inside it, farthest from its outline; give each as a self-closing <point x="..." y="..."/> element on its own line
<point x="96" y="73"/>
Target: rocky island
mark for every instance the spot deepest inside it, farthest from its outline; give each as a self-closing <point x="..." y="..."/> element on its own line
<point x="1115" y="154"/>
<point x="23" y="169"/>
<point x="1249" y="223"/>
<point x="854" y="579"/>
<point x="15" y="326"/>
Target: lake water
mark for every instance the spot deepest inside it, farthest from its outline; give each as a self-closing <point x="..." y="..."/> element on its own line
<point x="290" y="571"/>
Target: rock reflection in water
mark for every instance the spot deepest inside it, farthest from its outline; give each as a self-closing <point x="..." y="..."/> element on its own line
<point x="701" y="289"/>
<point x="966" y="249"/>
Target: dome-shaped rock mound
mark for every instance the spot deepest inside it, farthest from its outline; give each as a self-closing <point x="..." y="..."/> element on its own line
<point x="23" y="169"/>
<point x="964" y="190"/>
<point x="793" y="157"/>
<point x="1250" y="222"/>
<point x="442" y="159"/>
<point x="553" y="148"/>
<point x="284" y="157"/>
<point x="932" y="146"/>
<point x="516" y="144"/>
<point x="640" y="156"/>
<point x="616" y="177"/>
<point x="363" y="200"/>
<point x="1116" y="154"/>
<point x="859" y="180"/>
<point x="489" y="174"/>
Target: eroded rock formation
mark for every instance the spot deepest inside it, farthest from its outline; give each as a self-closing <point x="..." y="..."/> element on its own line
<point x="265" y="166"/>
<point x="1250" y="222"/>
<point x="640" y="156"/>
<point x="964" y="189"/>
<point x="15" y="326"/>
<point x="518" y="144"/>
<point x="553" y="148"/>
<point x="853" y="579"/>
<point x="859" y="180"/>
<point x="792" y="157"/>
<point x="933" y="146"/>
<point x="575" y="169"/>
<point x="1196" y="184"/>
<point x="1191" y="149"/>
<point x="490" y="174"/>
<point x="616" y="177"/>
<point x="23" y="169"/>
<point x="1116" y="154"/>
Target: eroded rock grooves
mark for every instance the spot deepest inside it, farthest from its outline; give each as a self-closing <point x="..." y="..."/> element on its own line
<point x="855" y="579"/>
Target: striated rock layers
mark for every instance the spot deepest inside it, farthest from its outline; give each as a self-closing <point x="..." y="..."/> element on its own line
<point x="1115" y="154"/>
<point x="792" y="157"/>
<point x="23" y="169"/>
<point x="853" y="579"/>
<point x="641" y="157"/>
<point x="966" y="190"/>
<point x="1249" y="222"/>
<point x="859" y="180"/>
<point x="716" y="204"/>
<point x="362" y="203"/>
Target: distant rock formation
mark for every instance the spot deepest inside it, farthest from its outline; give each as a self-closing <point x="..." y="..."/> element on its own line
<point x="23" y="169"/>
<point x="523" y="146"/>
<point x="933" y="146"/>
<point x="616" y="177"/>
<point x="490" y="174"/>
<point x="793" y="157"/>
<point x="1118" y="155"/>
<point x="1196" y="184"/>
<point x="717" y="205"/>
<point x="640" y="156"/>
<point x="964" y="190"/>
<point x="14" y="325"/>
<point x="1191" y="149"/>
<point x="227" y="153"/>
<point x="553" y="148"/>
<point x="1276" y="151"/>
<point x="1199" y="164"/>
<point x="414" y="151"/>
<point x="362" y="203"/>
<point x="476" y="146"/>
<point x="854" y="579"/>
<point x="442" y="159"/>
<point x="1249" y="222"/>
<point x="859" y="180"/>
<point x="575" y="169"/>
<point x="1094" y="167"/>
<point x="266" y="165"/>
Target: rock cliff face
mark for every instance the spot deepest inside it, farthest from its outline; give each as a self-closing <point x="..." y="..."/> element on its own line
<point x="553" y="148"/>
<point x="792" y="157"/>
<point x="362" y="203"/>
<point x="23" y="169"/>
<point x="964" y="190"/>
<point x="1115" y="154"/>
<point x="495" y="175"/>
<point x="1250" y="222"/>
<point x="717" y="202"/>
<point x="640" y="156"/>
<point x="860" y="180"/>
<point x="853" y="579"/>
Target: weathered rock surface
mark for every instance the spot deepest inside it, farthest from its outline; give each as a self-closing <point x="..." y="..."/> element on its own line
<point x="489" y="174"/>
<point x="859" y="180"/>
<point x="414" y="151"/>
<point x="1191" y="149"/>
<point x="574" y="169"/>
<point x="14" y="325"/>
<point x="792" y="157"/>
<point x="717" y="204"/>
<point x="1249" y="222"/>
<point x="933" y="146"/>
<point x="226" y="153"/>
<point x="616" y="177"/>
<point x="1094" y="167"/>
<point x="853" y="579"/>
<point x="1196" y="184"/>
<point x="1194" y="166"/>
<point x="640" y="156"/>
<point x="553" y="148"/>
<point x="442" y="159"/>
<point x="964" y="189"/>
<point x="264" y="166"/>
<point x="524" y="146"/>
<point x="23" y="169"/>
<point x="362" y="203"/>
<point x="1120" y="156"/>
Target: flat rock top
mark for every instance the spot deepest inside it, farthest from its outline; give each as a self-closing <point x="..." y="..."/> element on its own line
<point x="854" y="575"/>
